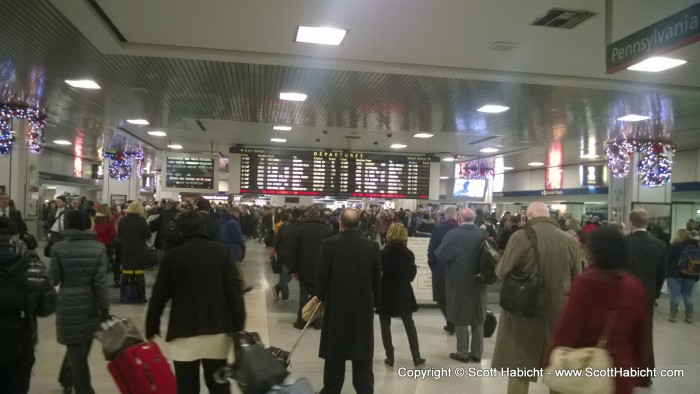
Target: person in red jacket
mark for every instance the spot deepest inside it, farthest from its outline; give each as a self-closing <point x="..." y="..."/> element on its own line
<point x="106" y="232"/>
<point x="606" y="294"/>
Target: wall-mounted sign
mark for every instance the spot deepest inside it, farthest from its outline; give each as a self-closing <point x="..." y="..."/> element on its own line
<point x="190" y="172"/>
<point x="678" y="30"/>
<point x="97" y="171"/>
<point x="591" y="175"/>
<point x="561" y="192"/>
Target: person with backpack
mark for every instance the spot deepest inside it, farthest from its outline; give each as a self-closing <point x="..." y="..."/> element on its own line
<point x="680" y="276"/>
<point x="26" y="291"/>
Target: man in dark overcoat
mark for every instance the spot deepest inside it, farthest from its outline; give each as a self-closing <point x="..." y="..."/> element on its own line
<point x="348" y="281"/>
<point x="466" y="295"/>
<point x="646" y="259"/>
<point x="437" y="267"/>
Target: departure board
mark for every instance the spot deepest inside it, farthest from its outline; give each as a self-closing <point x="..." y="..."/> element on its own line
<point x="190" y="173"/>
<point x="327" y="173"/>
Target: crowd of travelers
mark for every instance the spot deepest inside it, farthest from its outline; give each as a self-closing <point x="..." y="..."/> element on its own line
<point x="355" y="261"/>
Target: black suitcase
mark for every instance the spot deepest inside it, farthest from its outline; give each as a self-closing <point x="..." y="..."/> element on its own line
<point x="489" y="324"/>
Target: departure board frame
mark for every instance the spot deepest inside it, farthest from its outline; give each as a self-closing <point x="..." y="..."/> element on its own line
<point x="201" y="177"/>
<point x="318" y="172"/>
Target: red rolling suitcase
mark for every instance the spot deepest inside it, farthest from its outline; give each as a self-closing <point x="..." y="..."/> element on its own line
<point x="141" y="369"/>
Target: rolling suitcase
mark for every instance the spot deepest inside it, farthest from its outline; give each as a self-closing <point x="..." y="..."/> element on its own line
<point x="142" y="369"/>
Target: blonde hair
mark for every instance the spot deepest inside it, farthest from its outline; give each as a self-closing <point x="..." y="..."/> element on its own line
<point x="136" y="207"/>
<point x="639" y="218"/>
<point x="681" y="235"/>
<point x="397" y="232"/>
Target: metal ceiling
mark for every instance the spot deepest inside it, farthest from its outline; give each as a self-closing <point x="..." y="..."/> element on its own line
<point x="175" y="93"/>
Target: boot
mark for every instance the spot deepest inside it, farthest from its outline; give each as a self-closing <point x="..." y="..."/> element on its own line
<point x="689" y="317"/>
<point x="672" y="316"/>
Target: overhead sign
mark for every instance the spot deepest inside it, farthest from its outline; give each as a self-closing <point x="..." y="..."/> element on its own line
<point x="561" y="192"/>
<point x="591" y="175"/>
<point x="678" y="30"/>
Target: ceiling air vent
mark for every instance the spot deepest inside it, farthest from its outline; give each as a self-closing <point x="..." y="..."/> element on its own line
<point x="352" y="137"/>
<point x="565" y="19"/>
<point x="503" y="46"/>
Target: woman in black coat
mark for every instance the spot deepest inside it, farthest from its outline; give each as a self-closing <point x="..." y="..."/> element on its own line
<point x="397" y="299"/>
<point x="133" y="235"/>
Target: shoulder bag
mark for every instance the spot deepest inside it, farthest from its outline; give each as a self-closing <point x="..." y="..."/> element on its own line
<point x="582" y="359"/>
<point x="522" y="293"/>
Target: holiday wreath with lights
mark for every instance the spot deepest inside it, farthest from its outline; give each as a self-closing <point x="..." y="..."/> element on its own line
<point x="35" y="135"/>
<point x="120" y="163"/>
<point x="655" y="161"/>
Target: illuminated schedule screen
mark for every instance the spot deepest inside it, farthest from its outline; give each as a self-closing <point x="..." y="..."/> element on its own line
<point x="190" y="173"/>
<point x="323" y="173"/>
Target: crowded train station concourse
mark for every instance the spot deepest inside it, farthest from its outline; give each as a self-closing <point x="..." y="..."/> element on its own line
<point x="243" y="196"/>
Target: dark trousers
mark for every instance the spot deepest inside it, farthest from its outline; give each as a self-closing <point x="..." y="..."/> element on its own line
<point x="77" y="356"/>
<point x="334" y="376"/>
<point x="306" y="291"/>
<point x="16" y="361"/>
<point x="443" y="309"/>
<point x="187" y="376"/>
<point x="411" y="333"/>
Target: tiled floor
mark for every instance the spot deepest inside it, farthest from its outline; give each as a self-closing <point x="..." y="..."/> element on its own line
<point x="677" y="345"/>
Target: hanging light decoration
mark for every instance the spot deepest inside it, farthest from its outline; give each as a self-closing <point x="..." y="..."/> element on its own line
<point x="654" y="166"/>
<point x="35" y="135"/>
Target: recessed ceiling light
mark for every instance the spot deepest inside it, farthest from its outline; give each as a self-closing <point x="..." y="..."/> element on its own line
<point x="320" y="35"/>
<point x="489" y="150"/>
<point x="292" y="96"/>
<point x="83" y="83"/>
<point x="535" y="164"/>
<point x="397" y="146"/>
<point x="656" y="64"/>
<point x="448" y="159"/>
<point x="444" y="177"/>
<point x="62" y="142"/>
<point x="278" y="140"/>
<point x="633" y="118"/>
<point x="143" y="122"/>
<point x="507" y="168"/>
<point x="493" y="109"/>
<point x="422" y="135"/>
<point x="282" y="128"/>
<point x="157" y="133"/>
<point x="175" y="146"/>
<point x="589" y="156"/>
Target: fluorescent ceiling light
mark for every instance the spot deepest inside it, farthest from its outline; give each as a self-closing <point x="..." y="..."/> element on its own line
<point x="157" y="133"/>
<point x="489" y="150"/>
<point x="83" y="83"/>
<point x="444" y="177"/>
<point x="320" y="35"/>
<point x="448" y="159"/>
<point x="143" y="122"/>
<point x="62" y="142"/>
<point x="589" y="156"/>
<point x="397" y="146"/>
<point x="633" y="118"/>
<point x="493" y="109"/>
<point x="507" y="168"/>
<point x="292" y="96"/>
<point x="278" y="140"/>
<point x="282" y="128"/>
<point x="422" y="135"/>
<point x="535" y="164"/>
<point x="656" y="64"/>
<point x="175" y="146"/>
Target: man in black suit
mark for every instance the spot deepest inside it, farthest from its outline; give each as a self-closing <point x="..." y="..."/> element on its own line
<point x="14" y="215"/>
<point x="348" y="280"/>
<point x="647" y="261"/>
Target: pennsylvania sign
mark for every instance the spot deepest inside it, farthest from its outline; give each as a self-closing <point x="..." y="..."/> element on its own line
<point x="678" y="30"/>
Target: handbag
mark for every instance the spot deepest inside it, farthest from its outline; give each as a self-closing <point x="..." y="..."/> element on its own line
<point x="130" y="294"/>
<point x="312" y="310"/>
<point x="29" y="240"/>
<point x="117" y="334"/>
<point x="258" y="369"/>
<point x="276" y="265"/>
<point x="582" y="359"/>
<point x="522" y="293"/>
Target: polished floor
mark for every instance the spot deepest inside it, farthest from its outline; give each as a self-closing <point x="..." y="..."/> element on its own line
<point x="677" y="346"/>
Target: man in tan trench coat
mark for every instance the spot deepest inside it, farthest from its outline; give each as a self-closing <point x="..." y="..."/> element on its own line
<point x="521" y="341"/>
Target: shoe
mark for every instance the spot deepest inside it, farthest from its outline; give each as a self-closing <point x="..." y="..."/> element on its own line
<point x="285" y="298"/>
<point x="645" y="383"/>
<point x="672" y="316"/>
<point x="299" y="325"/>
<point x="689" y="317"/>
<point x="450" y="329"/>
<point x="418" y="362"/>
<point x="475" y="359"/>
<point x="67" y="390"/>
<point x="276" y="292"/>
<point x="248" y="289"/>
<point x="389" y="362"/>
<point x="459" y="358"/>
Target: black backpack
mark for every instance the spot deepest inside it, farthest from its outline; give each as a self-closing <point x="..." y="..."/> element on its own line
<point x="14" y="295"/>
<point x="489" y="257"/>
